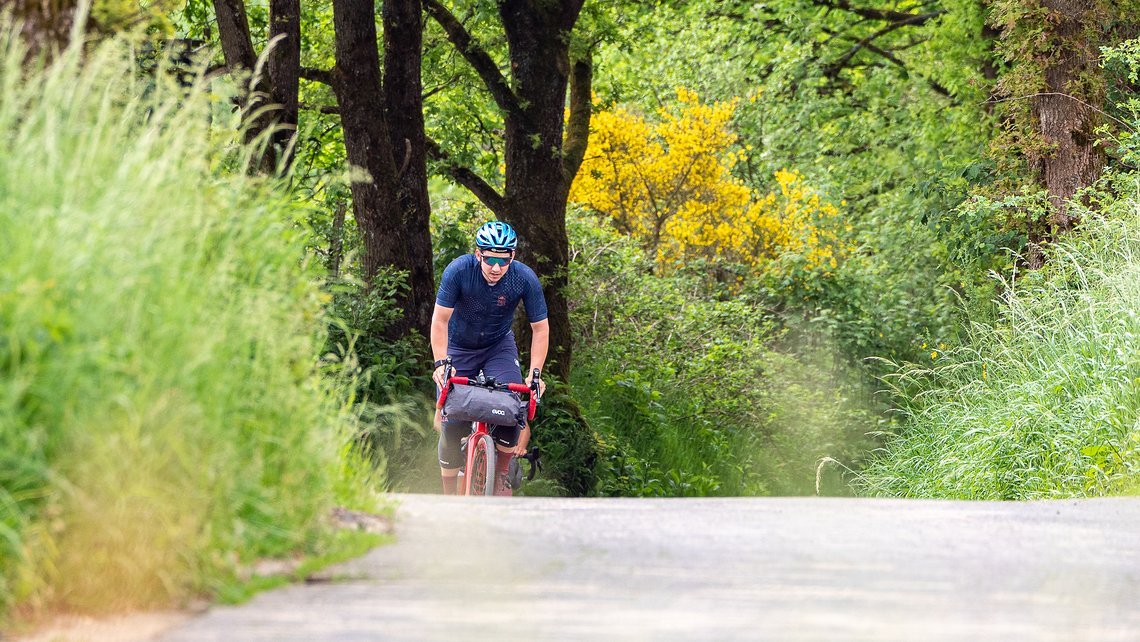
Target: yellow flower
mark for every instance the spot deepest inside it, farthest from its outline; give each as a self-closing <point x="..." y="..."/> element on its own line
<point x="670" y="184"/>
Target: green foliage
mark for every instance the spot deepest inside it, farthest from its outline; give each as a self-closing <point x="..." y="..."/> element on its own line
<point x="163" y="418"/>
<point x="686" y="387"/>
<point x="876" y="136"/>
<point x="1043" y="403"/>
<point x="453" y="224"/>
<point x="1123" y="63"/>
<point x="568" y="447"/>
<point x="388" y="377"/>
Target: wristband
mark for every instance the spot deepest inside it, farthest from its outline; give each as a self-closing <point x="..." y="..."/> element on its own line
<point x="440" y="362"/>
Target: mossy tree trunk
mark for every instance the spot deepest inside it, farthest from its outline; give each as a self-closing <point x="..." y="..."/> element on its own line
<point x="1055" y="92"/>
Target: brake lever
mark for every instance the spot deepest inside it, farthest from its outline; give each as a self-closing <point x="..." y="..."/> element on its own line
<point x="535" y="463"/>
<point x="535" y="384"/>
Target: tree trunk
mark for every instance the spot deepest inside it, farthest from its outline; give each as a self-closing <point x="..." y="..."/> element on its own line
<point x="1065" y="115"/>
<point x="45" y="26"/>
<point x="403" y="107"/>
<point x="366" y="140"/>
<point x="284" y="73"/>
<point x="537" y="184"/>
<point x="392" y="220"/>
<point x="270" y="98"/>
<point x="241" y="58"/>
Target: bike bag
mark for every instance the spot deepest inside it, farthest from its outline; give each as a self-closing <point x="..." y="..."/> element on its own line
<point x="474" y="403"/>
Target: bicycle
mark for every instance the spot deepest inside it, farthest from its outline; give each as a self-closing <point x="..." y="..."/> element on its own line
<point x="479" y="470"/>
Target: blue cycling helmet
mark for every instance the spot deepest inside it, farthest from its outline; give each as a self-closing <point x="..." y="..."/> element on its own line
<point x="497" y="236"/>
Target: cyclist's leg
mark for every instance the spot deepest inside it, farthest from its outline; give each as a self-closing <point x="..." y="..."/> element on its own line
<point x="506" y="438"/>
<point x="503" y="364"/>
<point x="450" y="456"/>
<point x="451" y="433"/>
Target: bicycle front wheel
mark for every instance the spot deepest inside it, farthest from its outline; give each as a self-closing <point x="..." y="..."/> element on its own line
<point x="481" y="471"/>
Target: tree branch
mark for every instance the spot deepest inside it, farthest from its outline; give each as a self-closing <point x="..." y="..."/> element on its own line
<point x="324" y="109"/>
<point x="477" y="57"/>
<point x="915" y="19"/>
<point x="871" y="14"/>
<point x="474" y="183"/>
<point x="323" y="76"/>
<point x="451" y="82"/>
<point x="891" y="57"/>
<point x="578" y="124"/>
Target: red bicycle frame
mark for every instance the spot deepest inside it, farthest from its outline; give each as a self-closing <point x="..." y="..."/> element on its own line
<point x="479" y="429"/>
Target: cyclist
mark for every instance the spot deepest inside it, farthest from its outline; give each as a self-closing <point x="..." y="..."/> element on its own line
<point x="471" y="325"/>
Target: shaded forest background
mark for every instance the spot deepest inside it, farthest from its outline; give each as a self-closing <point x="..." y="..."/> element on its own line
<point x="805" y="246"/>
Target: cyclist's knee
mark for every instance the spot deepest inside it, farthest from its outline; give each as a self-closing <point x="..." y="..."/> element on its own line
<point x="450" y="456"/>
<point x="505" y="437"/>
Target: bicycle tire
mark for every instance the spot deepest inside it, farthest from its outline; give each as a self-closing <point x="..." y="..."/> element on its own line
<point x="481" y="477"/>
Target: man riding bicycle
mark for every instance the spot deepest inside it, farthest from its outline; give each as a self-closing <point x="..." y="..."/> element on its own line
<point x="471" y="326"/>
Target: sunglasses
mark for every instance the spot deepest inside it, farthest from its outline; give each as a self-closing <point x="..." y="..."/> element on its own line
<point x="500" y="261"/>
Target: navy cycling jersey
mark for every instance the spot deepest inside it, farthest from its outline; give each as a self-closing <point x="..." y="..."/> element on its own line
<point x="483" y="312"/>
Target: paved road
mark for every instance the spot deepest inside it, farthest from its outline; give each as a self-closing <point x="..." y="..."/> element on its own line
<point x="722" y="569"/>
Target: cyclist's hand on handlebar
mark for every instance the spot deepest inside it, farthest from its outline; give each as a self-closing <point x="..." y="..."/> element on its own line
<point x="530" y="381"/>
<point x="442" y="373"/>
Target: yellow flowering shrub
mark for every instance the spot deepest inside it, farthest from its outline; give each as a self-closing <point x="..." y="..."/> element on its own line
<point x="669" y="184"/>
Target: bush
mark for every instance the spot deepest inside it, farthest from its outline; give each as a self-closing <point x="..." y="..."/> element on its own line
<point x="1045" y="402"/>
<point x="392" y="389"/>
<point x="568" y="445"/>
<point x="687" y="386"/>
<point x="162" y="414"/>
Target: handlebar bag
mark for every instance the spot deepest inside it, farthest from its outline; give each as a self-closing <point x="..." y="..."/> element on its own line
<point x="473" y="403"/>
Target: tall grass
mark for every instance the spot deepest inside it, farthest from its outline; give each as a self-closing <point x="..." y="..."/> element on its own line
<point x="162" y="419"/>
<point x="1044" y="403"/>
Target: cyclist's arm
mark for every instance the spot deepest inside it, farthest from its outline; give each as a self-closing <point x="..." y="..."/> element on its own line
<point x="524" y="441"/>
<point x="539" y="344"/>
<point x="439" y="318"/>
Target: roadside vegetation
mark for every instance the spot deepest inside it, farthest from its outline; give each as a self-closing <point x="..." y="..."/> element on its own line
<point x="164" y="419"/>
<point x="1043" y="401"/>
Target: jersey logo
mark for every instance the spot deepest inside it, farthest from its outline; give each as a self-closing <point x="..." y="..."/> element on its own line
<point x="502" y="300"/>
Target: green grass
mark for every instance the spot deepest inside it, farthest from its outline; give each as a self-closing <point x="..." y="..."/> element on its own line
<point x="1045" y="402"/>
<point x="163" y="419"/>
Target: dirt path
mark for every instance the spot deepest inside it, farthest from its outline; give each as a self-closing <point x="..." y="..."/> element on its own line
<point x="781" y="569"/>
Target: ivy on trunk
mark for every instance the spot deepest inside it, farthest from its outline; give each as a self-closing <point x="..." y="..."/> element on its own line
<point x="1054" y="92"/>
